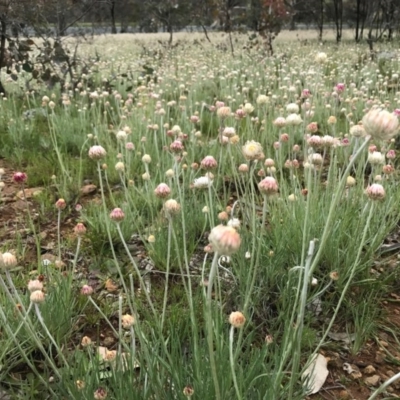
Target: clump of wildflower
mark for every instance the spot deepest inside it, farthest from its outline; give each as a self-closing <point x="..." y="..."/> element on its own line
<point x="375" y="191"/>
<point x="252" y="150"/>
<point x="312" y="127"/>
<point x="127" y="321"/>
<point x="100" y="394"/>
<point x="321" y="58"/>
<point x="97" y="152"/>
<point x="208" y="162"/>
<point x="243" y="168"/>
<point x="162" y="190"/>
<point x="376" y="157"/>
<point x="20" y="177"/>
<point x="61" y="204"/>
<point x="262" y="99"/>
<point x="34" y="285"/>
<point x="176" y="146"/>
<point x="37" y="297"/>
<point x="203" y="182"/>
<point x="117" y="215"/>
<point x="248" y="108"/>
<point x="237" y="319"/>
<point x="224" y="239"/>
<point x="268" y="186"/>
<point x="86" y="290"/>
<point x="293" y="119"/>
<point x="223" y="112"/>
<point x="188" y="391"/>
<point x="292" y="108"/>
<point x="380" y="124"/>
<point x="8" y="261"/>
<point x="171" y="207"/>
<point x="79" y="229"/>
<point x="357" y="131"/>
<point x="350" y="181"/>
<point x="280" y="122"/>
<point x="146" y="159"/>
<point x="86" y="341"/>
<point x="229" y="131"/>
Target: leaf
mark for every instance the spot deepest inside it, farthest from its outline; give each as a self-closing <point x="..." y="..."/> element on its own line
<point x="315" y="375"/>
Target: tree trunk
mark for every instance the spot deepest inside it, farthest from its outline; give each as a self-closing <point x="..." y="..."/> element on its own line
<point x="113" y="24"/>
<point x="321" y="21"/>
<point x="338" y="6"/>
<point x="3" y="25"/>
<point x="358" y="16"/>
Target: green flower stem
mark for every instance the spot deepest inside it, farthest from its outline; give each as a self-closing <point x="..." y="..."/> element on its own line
<point x="108" y="322"/>
<point x="210" y="329"/>
<point x="334" y="203"/>
<point x="133" y="262"/>
<point x="298" y="330"/>
<point x="28" y="323"/>
<point x="78" y="246"/>
<point x="393" y="379"/>
<point x="109" y="235"/>
<point x="40" y="318"/>
<point x="167" y="271"/>
<point x="232" y="362"/>
<point x="59" y="234"/>
<point x="32" y="225"/>
<point x="23" y="352"/>
<point x="349" y="280"/>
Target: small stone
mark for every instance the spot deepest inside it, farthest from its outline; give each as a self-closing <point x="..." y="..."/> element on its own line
<point x="372" y="380"/>
<point x="379" y="358"/>
<point x="384" y="344"/>
<point x="87" y="189"/>
<point x="369" y="369"/>
<point x="108" y="341"/>
<point x="344" y="395"/>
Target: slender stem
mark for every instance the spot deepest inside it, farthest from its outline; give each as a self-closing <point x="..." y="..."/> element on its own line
<point x="23" y="352"/>
<point x="110" y="237"/>
<point x="108" y="322"/>
<point x="167" y="272"/>
<point x="133" y="262"/>
<point x="232" y="362"/>
<point x="78" y="246"/>
<point x="210" y="336"/>
<point x="59" y="234"/>
<point x="300" y="319"/>
<point x="333" y="207"/>
<point x="120" y="325"/>
<point x="394" y="378"/>
<point x="349" y="279"/>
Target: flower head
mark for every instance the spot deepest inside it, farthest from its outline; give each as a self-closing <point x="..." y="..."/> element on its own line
<point x="380" y="124"/>
<point x="34" y="285"/>
<point x="252" y="150"/>
<point x="268" y="186"/>
<point x="97" y="152"/>
<point x="209" y="162"/>
<point x="37" y="297"/>
<point x="20" y="177"/>
<point x="127" y="321"/>
<point x="172" y="207"/>
<point x="237" y="319"/>
<point x="224" y="239"/>
<point x="117" y="215"/>
<point x="162" y="190"/>
<point x="375" y="192"/>
<point x="79" y="229"/>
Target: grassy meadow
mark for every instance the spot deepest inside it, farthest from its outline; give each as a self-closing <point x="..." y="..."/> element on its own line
<point x="197" y="224"/>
